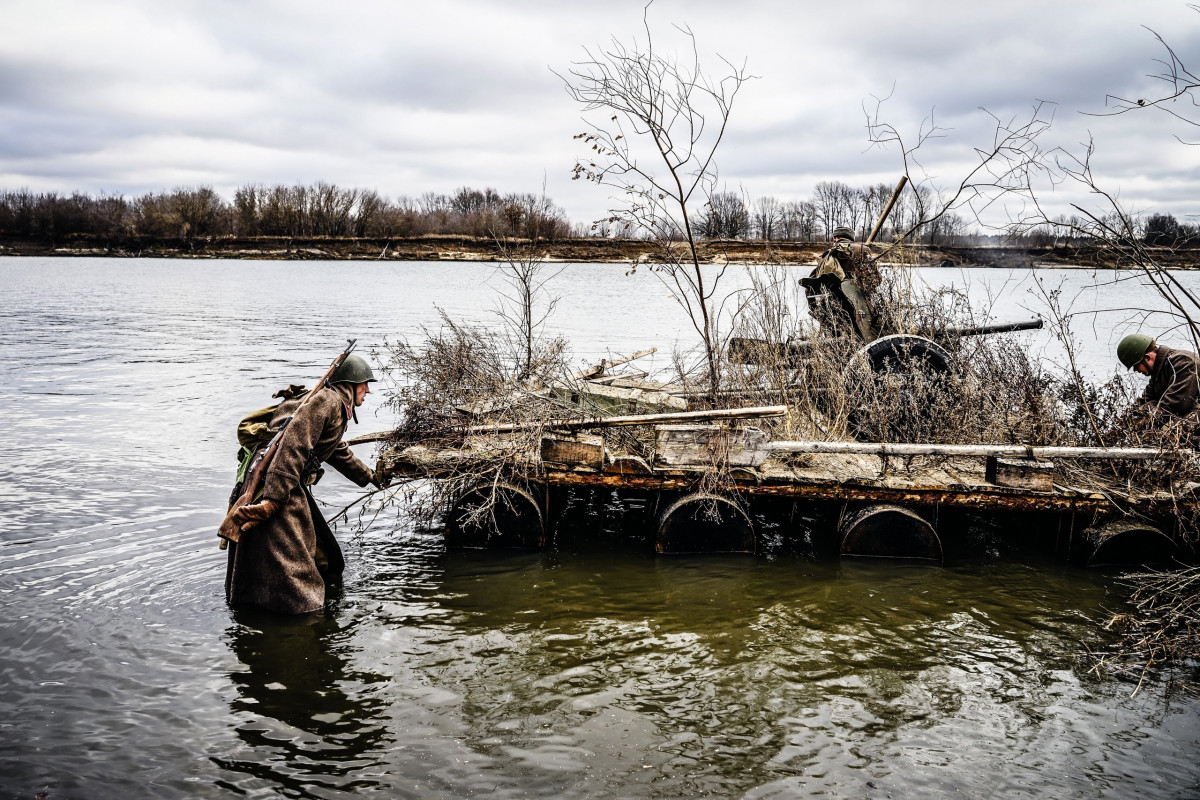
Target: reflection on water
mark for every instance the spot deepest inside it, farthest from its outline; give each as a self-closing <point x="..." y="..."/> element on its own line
<point x="722" y="674"/>
<point x="306" y="716"/>
<point x="592" y="670"/>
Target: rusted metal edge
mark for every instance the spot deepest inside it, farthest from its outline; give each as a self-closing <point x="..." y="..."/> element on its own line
<point x="1003" y="450"/>
<point x="841" y="492"/>
<point x="983" y="497"/>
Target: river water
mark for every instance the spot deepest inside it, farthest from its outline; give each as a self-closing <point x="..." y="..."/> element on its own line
<point x="576" y="672"/>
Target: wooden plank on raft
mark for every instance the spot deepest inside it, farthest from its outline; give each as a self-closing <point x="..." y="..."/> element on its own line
<point x="618" y="399"/>
<point x="491" y="405"/>
<point x="699" y="445"/>
<point x="574" y="450"/>
<point x="605" y="364"/>
<point x="1020" y="473"/>
<point x="627" y="379"/>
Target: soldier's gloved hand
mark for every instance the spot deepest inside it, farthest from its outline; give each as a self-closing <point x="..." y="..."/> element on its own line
<point x="379" y="480"/>
<point x="248" y="516"/>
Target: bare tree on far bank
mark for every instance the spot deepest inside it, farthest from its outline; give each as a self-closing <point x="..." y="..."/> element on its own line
<point x="525" y="302"/>
<point x="325" y="210"/>
<point x="296" y="211"/>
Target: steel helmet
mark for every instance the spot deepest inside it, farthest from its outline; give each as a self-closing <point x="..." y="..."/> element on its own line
<point x="1133" y="349"/>
<point x="354" y="369"/>
<point x="842" y="232"/>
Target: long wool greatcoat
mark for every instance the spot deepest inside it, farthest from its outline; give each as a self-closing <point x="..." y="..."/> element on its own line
<point x="275" y="564"/>
<point x="1173" y="387"/>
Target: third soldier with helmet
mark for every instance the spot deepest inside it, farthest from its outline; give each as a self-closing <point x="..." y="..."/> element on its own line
<point x="1173" y="392"/>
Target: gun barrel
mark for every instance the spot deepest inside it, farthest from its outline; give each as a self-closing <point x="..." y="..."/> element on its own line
<point x="997" y="327"/>
<point x="743" y="350"/>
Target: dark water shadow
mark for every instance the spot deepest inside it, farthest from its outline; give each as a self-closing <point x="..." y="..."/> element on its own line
<point x="307" y="716"/>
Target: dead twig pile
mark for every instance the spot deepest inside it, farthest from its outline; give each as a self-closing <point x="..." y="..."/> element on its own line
<point x="1162" y="630"/>
<point x="458" y="373"/>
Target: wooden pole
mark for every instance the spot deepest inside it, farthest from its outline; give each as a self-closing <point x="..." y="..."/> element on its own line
<point x="755" y="412"/>
<point x="888" y="209"/>
<point x="606" y="364"/>
<point x="1008" y="450"/>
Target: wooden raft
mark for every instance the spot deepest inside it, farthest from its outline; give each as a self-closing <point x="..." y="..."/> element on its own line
<point x="975" y="480"/>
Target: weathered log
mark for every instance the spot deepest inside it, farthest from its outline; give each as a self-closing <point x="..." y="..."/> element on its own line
<point x="753" y="412"/>
<point x="1010" y="450"/>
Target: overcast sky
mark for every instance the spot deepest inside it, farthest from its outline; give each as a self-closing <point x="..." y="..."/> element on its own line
<point x="128" y="96"/>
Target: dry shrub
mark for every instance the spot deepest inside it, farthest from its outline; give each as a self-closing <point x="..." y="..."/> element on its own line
<point x="1162" y="630"/>
<point x="459" y="376"/>
<point x="459" y="370"/>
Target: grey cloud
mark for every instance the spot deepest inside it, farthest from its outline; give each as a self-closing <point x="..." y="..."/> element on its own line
<point x="406" y="99"/>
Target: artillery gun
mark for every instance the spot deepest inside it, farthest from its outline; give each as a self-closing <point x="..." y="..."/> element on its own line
<point x="909" y="366"/>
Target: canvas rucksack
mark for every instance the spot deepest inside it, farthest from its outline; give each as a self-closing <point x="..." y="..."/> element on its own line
<point x="254" y="432"/>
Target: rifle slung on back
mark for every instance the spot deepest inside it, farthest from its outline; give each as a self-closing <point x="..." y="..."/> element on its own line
<point x="229" y="530"/>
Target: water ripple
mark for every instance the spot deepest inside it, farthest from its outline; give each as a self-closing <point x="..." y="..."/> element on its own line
<point x="606" y="673"/>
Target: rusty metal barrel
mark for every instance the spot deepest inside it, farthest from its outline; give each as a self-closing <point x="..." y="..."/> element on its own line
<point x="882" y="530"/>
<point x="500" y="515"/>
<point x="1127" y="542"/>
<point x="704" y="523"/>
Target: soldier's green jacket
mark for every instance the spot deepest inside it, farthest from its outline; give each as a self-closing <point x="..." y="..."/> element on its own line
<point x="1173" y="384"/>
<point x="276" y="564"/>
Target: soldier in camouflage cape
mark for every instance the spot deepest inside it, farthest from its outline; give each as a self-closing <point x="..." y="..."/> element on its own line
<point x="840" y="287"/>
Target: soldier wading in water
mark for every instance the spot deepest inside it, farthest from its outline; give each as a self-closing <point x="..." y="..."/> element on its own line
<point x="286" y="555"/>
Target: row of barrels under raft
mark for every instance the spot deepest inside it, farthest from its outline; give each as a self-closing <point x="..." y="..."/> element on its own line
<point x="506" y="516"/>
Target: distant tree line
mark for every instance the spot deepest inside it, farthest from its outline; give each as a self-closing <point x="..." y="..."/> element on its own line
<point x="1156" y="230"/>
<point x="730" y="215"/>
<point x="326" y="210"/>
<point x="320" y="209"/>
<point x="834" y="204"/>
